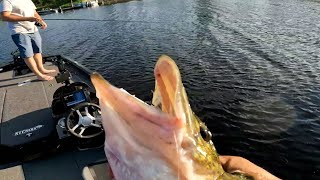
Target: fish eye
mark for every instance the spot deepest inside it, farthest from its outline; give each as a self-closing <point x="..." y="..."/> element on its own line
<point x="205" y="132"/>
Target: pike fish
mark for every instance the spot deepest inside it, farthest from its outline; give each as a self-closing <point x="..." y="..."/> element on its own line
<point x="158" y="141"/>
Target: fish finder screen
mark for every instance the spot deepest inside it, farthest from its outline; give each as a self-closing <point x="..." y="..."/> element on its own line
<point x="75" y="98"/>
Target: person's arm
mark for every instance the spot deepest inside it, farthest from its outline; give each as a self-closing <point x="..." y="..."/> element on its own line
<point x="6" y="9"/>
<point x="40" y="20"/>
<point x="7" y="16"/>
<point x="233" y="164"/>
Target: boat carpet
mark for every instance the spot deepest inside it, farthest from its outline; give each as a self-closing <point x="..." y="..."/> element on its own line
<point x="25" y="99"/>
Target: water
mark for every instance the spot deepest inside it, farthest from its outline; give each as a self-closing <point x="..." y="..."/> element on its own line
<point x="251" y="68"/>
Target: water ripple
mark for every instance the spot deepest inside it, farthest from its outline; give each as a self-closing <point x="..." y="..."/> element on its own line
<point x="250" y="68"/>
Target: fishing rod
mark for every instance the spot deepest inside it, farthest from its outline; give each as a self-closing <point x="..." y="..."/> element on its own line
<point x="101" y="20"/>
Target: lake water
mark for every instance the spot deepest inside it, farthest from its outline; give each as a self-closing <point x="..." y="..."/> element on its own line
<point x="250" y="68"/>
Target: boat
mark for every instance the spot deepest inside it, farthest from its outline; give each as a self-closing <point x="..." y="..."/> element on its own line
<point x="78" y="6"/>
<point x="46" y="127"/>
<point x="47" y="11"/>
<point x="93" y="3"/>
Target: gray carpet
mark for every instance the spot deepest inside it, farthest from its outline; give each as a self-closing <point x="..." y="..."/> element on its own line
<point x="25" y="99"/>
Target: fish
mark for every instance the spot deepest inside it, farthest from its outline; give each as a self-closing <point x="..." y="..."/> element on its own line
<point x="161" y="140"/>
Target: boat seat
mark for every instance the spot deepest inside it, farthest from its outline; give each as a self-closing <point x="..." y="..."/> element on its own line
<point x="12" y="173"/>
<point x="97" y="171"/>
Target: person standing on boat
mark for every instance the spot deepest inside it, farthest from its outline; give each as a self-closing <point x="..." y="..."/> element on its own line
<point x="21" y="16"/>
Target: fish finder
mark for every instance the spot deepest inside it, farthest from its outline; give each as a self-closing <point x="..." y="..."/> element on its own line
<point x="69" y="96"/>
<point x="74" y="98"/>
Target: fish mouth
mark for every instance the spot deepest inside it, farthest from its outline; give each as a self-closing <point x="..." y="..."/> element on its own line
<point x="170" y="94"/>
<point x="135" y="131"/>
<point x="128" y="107"/>
<point x="166" y="132"/>
<point x="166" y="87"/>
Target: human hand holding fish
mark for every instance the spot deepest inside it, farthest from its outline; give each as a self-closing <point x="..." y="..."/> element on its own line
<point x="236" y="164"/>
<point x="162" y="140"/>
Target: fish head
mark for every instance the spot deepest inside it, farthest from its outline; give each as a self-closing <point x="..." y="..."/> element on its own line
<point x="155" y="141"/>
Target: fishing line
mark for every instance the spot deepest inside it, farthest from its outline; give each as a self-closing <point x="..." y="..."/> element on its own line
<point x="102" y="20"/>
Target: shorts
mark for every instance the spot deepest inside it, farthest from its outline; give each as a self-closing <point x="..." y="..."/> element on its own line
<point x="28" y="43"/>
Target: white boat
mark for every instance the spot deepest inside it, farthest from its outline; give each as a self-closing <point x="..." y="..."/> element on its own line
<point x="93" y="3"/>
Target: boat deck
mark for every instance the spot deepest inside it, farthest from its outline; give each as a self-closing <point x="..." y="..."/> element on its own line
<point x="69" y="166"/>
<point x="25" y="99"/>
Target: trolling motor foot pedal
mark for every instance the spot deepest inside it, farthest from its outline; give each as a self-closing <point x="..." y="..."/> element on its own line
<point x="64" y="75"/>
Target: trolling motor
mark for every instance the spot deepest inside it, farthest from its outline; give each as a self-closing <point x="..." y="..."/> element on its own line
<point x="73" y="106"/>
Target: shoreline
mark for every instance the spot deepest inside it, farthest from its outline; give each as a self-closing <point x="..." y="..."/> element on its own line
<point x="81" y="4"/>
<point x="111" y="2"/>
